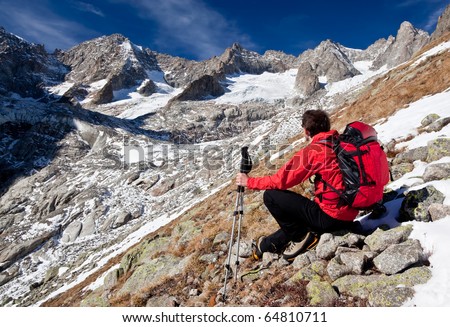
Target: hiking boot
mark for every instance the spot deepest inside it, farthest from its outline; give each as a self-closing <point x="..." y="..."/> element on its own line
<point x="257" y="252"/>
<point x="295" y="248"/>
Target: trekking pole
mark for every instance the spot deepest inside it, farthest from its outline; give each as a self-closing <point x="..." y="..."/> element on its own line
<point x="246" y="167"/>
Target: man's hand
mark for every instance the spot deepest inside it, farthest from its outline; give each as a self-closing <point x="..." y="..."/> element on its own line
<point x="241" y="179"/>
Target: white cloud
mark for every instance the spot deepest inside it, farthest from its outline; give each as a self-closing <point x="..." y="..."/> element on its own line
<point x="190" y="26"/>
<point x="432" y="19"/>
<point x="88" y="7"/>
<point x="36" y="23"/>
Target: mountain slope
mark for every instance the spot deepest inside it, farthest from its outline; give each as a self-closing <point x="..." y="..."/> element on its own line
<point x="191" y="249"/>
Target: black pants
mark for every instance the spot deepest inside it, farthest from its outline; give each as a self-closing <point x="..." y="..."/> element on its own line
<point x="296" y="215"/>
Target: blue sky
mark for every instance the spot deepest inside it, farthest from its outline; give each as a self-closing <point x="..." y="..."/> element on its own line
<point x="200" y="29"/>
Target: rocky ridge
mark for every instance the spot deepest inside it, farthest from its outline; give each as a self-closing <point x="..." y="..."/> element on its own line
<point x="27" y="68"/>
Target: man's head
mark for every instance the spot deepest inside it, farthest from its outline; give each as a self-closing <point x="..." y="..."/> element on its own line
<point x="315" y="122"/>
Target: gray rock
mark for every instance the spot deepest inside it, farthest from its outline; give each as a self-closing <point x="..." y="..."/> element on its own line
<point x="416" y="203"/>
<point x="379" y="240"/>
<point x="268" y="258"/>
<point x="204" y="87"/>
<point x="412" y="155"/>
<point x="438" y="125"/>
<point x="352" y="240"/>
<point x="222" y="237"/>
<point x="147" y="88"/>
<point x="88" y="225"/>
<point x="209" y="258"/>
<point x="401" y="169"/>
<point x="327" y="246"/>
<point x="390" y="297"/>
<point x="321" y="293"/>
<point x="104" y="95"/>
<point x="304" y="259"/>
<point x="438" y="211"/>
<point x="306" y="81"/>
<point x="51" y="273"/>
<point x="438" y="149"/>
<point x="8" y="275"/>
<point x="13" y="252"/>
<point x="121" y="219"/>
<point x="437" y="172"/>
<point x="355" y="260"/>
<point x="162" y="301"/>
<point x="329" y="59"/>
<point x="398" y="257"/>
<point x="362" y="286"/>
<point x="245" y="249"/>
<point x="336" y="268"/>
<point x="153" y="271"/>
<point x="431" y="118"/>
<point x="72" y="231"/>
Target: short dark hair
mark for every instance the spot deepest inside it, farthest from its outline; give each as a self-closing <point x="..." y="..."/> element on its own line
<point x="316" y="121"/>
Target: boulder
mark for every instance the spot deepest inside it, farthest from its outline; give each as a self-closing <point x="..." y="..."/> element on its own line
<point x="438" y="211"/>
<point x="437" y="172"/>
<point x="363" y="286"/>
<point x="438" y="149"/>
<point x="431" y="118"/>
<point x="307" y="81"/>
<point x="72" y="231"/>
<point x="379" y="240"/>
<point x="390" y="297"/>
<point x="416" y="203"/>
<point x="398" y="257"/>
<point x="147" y="88"/>
<point x="412" y="155"/>
<point x="321" y="293"/>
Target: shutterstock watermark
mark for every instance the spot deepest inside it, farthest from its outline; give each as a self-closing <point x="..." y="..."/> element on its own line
<point x="207" y="156"/>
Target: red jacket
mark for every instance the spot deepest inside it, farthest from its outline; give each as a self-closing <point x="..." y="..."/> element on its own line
<point x="315" y="158"/>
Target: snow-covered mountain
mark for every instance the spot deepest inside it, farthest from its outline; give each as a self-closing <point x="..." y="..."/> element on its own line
<point x="115" y="141"/>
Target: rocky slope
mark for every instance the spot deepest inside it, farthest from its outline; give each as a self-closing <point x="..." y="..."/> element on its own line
<point x="183" y="262"/>
<point x="79" y="184"/>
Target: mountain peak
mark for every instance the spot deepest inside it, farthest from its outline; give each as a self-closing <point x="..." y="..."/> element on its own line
<point x="443" y="25"/>
<point x="236" y="47"/>
<point x="408" y="41"/>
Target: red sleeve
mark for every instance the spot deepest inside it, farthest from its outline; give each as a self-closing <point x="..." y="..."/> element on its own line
<point x="302" y="165"/>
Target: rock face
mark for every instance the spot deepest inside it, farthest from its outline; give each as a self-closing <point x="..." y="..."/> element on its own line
<point x="26" y="68"/>
<point x="237" y="59"/>
<point x="114" y="59"/>
<point x="329" y="60"/>
<point x="408" y="41"/>
<point x="443" y="25"/>
<point x="307" y="81"/>
<point x="206" y="86"/>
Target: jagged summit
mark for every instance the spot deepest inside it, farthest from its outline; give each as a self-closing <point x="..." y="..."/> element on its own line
<point x="114" y="59"/>
<point x="408" y="40"/>
<point x="329" y="59"/>
<point x="26" y="68"/>
<point x="443" y="25"/>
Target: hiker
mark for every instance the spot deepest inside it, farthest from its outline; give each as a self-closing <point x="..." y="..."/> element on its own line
<point x="299" y="218"/>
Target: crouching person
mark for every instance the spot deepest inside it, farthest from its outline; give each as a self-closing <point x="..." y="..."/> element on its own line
<point x="300" y="219"/>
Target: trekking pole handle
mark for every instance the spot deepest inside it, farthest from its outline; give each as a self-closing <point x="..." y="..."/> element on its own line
<point x="246" y="164"/>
